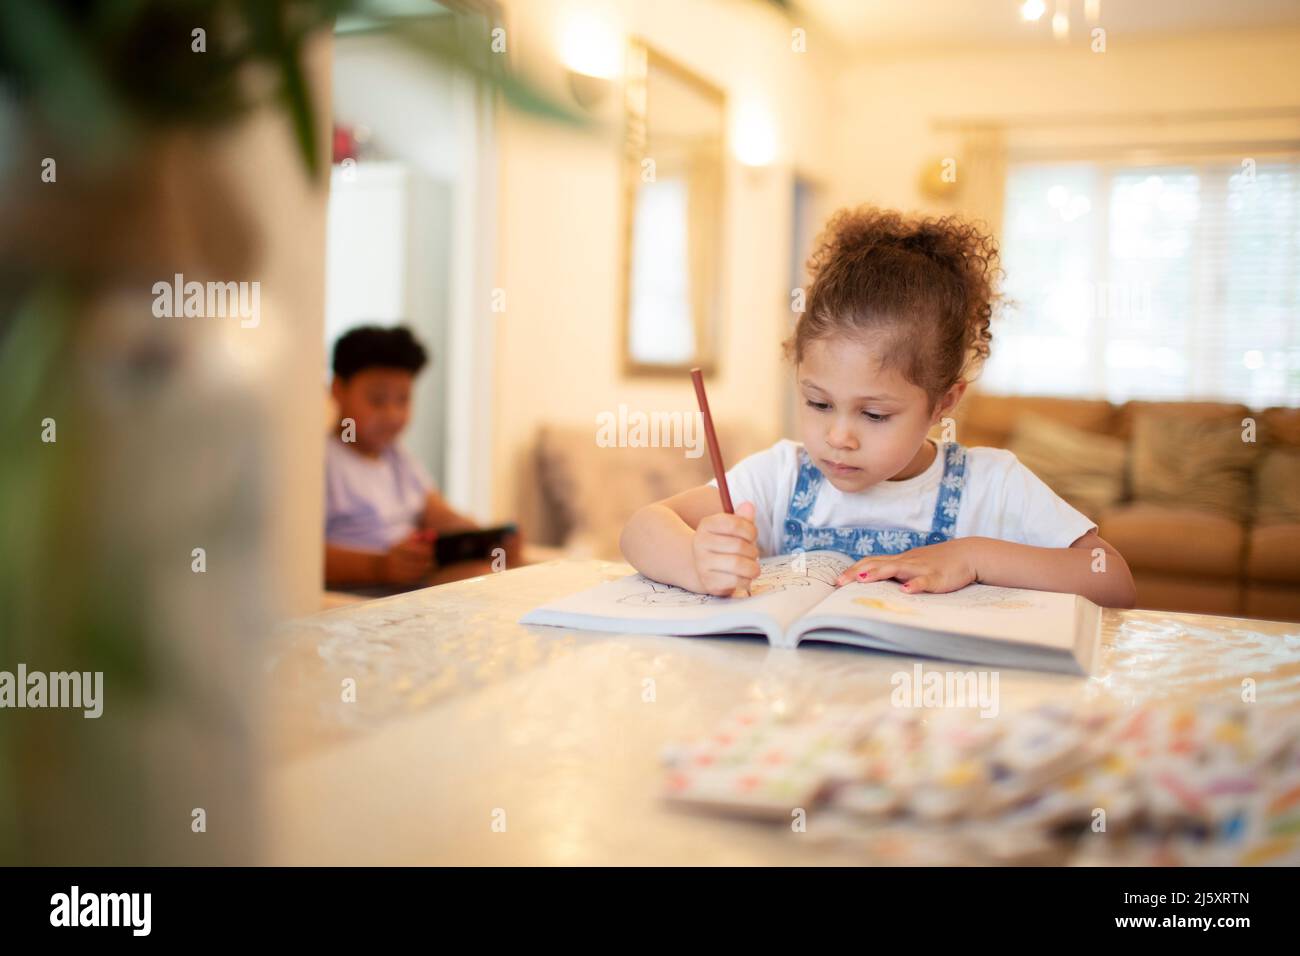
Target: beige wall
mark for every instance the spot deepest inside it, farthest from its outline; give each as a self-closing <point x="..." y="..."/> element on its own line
<point x="889" y="103"/>
<point x="560" y="224"/>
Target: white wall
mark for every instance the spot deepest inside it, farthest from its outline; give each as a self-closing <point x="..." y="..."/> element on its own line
<point x="433" y="120"/>
<point x="393" y="257"/>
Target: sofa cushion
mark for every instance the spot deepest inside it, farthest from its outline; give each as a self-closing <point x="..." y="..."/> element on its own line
<point x="591" y="490"/>
<point x="1126" y="418"/>
<point x="1276" y="602"/>
<point x="1277" y="486"/>
<point x="1085" y="469"/>
<point x="1274" y="554"/>
<point x="1178" y="540"/>
<point x="1280" y="426"/>
<point x="1189" y="463"/>
<point x="990" y="419"/>
<point x="1188" y="594"/>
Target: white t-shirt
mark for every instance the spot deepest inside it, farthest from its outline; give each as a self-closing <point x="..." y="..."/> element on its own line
<point x="1001" y="498"/>
<point x="372" y="503"/>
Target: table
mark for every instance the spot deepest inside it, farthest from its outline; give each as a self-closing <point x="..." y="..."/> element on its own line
<point x="464" y="719"/>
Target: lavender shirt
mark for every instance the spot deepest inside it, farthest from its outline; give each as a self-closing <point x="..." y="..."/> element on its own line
<point x="372" y="503"/>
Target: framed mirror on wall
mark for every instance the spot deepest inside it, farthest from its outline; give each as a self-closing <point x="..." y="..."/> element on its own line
<point x="674" y="174"/>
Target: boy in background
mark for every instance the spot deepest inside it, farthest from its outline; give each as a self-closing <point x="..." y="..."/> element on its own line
<point x="380" y="503"/>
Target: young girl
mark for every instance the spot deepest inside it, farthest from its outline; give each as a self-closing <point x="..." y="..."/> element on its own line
<point x="897" y="321"/>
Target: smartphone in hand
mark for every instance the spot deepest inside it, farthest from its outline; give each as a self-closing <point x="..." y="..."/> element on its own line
<point x="476" y="545"/>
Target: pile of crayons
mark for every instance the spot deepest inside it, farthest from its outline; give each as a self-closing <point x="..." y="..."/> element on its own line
<point x="1165" y="783"/>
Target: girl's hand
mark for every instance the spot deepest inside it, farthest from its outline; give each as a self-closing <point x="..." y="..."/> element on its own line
<point x="941" y="567"/>
<point x="725" y="550"/>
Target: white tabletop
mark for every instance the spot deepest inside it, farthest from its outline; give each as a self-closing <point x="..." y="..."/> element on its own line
<point x="464" y="718"/>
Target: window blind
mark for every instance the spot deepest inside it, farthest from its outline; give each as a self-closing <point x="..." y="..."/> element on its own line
<point x="1172" y="281"/>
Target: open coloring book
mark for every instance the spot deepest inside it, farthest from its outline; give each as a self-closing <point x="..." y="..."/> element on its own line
<point x="795" y="599"/>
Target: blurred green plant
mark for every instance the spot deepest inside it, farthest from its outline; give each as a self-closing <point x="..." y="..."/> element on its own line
<point x="103" y="72"/>
<point x="87" y="579"/>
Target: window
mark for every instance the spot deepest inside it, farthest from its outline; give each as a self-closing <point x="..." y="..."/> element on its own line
<point x="661" y="329"/>
<point x="1178" y="281"/>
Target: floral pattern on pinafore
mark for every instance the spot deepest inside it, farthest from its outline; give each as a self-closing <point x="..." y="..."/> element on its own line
<point x="860" y="542"/>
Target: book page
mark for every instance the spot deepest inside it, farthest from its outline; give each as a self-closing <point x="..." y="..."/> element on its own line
<point x="788" y="586"/>
<point x="1017" y="615"/>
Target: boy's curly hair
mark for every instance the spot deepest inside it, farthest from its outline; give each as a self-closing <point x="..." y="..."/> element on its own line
<point x="376" y="346"/>
<point x="921" y="289"/>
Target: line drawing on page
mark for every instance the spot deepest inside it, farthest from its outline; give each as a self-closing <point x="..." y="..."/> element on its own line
<point x="778" y="575"/>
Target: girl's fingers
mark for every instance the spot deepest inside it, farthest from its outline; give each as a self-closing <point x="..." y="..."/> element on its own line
<point x="726" y="544"/>
<point x="738" y="527"/>
<point x="880" y="572"/>
<point x="724" y="524"/>
<point x="740" y="524"/>
<point x="741" y="567"/>
<point x="855" y="570"/>
<point x="726" y="584"/>
<point x="719" y="582"/>
<point x="878" y="569"/>
<point x="915" y="578"/>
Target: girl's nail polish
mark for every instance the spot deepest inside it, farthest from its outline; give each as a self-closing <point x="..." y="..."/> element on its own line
<point x="862" y="574"/>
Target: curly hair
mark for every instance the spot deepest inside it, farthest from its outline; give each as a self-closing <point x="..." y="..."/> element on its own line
<point x="375" y="346"/>
<point x="923" y="289"/>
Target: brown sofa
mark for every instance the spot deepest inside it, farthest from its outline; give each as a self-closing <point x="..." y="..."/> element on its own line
<point x="1183" y="557"/>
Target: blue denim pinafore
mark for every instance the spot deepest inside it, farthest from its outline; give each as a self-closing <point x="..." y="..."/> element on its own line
<point x="860" y="542"/>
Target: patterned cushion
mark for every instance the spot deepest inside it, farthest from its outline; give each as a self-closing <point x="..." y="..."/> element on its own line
<point x="1277" y="487"/>
<point x="1084" y="468"/>
<point x="590" y="491"/>
<point x="1183" y="462"/>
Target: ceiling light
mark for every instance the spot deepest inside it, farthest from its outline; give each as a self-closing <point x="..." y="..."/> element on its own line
<point x="590" y="45"/>
<point x="1032" y="9"/>
<point x="754" y="135"/>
